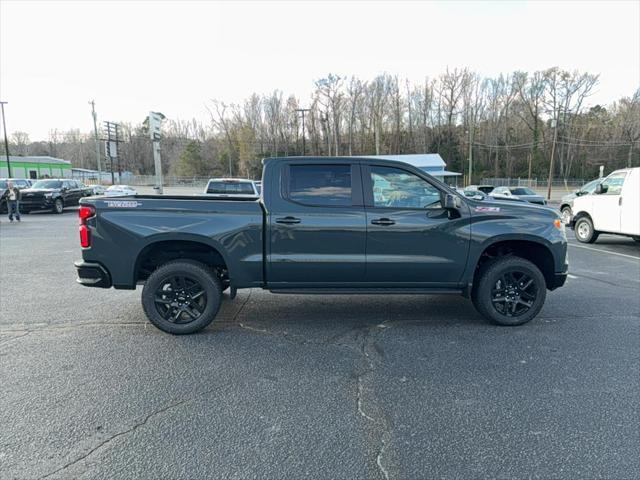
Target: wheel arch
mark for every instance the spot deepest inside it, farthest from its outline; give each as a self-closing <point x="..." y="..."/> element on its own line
<point x="535" y="251"/>
<point x="161" y="250"/>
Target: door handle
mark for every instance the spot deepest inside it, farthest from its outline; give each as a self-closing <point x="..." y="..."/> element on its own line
<point x="383" y="221"/>
<point x="287" y="220"/>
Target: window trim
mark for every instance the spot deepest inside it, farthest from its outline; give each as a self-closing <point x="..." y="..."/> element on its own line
<point x="356" y="185"/>
<point x="368" y="188"/>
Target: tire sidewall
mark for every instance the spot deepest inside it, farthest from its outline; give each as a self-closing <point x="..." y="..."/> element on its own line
<point x="199" y="272"/>
<point x="489" y="277"/>
<point x="584" y="221"/>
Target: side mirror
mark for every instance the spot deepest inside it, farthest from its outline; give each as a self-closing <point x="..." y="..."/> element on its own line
<point x="452" y="202"/>
<point x="600" y="189"/>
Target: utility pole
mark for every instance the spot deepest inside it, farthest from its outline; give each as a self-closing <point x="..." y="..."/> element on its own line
<point x="6" y="142"/>
<point x="95" y="134"/>
<point x="470" y="156"/>
<point x="553" y="151"/>
<point x="303" y="111"/>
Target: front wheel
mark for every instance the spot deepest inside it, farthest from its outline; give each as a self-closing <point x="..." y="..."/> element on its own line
<point x="509" y="291"/>
<point x="584" y="230"/>
<point x="58" y="206"/>
<point x="182" y="296"/>
<point x="566" y="215"/>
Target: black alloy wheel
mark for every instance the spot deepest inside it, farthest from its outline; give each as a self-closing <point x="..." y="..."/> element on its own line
<point x="182" y="296"/>
<point x="180" y="299"/>
<point x="514" y="293"/>
<point x="509" y="290"/>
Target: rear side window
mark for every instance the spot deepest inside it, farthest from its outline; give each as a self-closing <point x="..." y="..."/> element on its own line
<point x="237" y="188"/>
<point x="322" y="185"/>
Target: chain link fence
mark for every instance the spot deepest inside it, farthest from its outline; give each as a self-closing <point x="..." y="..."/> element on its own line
<point x="569" y="183"/>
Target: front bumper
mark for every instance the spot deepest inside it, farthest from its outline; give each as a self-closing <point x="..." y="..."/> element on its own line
<point x="92" y="274"/>
<point x="558" y="280"/>
<point x="36" y="204"/>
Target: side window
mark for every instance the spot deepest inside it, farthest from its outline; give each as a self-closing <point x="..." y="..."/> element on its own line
<point x="396" y="188"/>
<point x="322" y="185"/>
<point x="67" y="184"/>
<point x="613" y="183"/>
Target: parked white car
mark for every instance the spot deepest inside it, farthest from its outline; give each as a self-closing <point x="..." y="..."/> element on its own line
<point x="119" y="191"/>
<point x="614" y="207"/>
<point x="232" y="187"/>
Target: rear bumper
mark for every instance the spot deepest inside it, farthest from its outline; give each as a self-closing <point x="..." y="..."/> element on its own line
<point x="92" y="274"/>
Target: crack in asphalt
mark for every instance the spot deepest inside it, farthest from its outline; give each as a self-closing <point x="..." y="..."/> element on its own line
<point x="11" y="339"/>
<point x="117" y="435"/>
<point x="379" y="421"/>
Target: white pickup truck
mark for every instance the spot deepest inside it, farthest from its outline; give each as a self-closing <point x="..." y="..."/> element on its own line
<point x="614" y="207"/>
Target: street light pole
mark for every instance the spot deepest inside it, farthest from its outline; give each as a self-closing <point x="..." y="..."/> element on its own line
<point x="6" y="142"/>
<point x="303" y="111"/>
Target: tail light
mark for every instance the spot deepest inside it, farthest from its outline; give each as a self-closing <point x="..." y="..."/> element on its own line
<point x="85" y="212"/>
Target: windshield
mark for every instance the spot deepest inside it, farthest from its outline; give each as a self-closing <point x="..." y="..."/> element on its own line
<point x="522" y="191"/>
<point x="47" y="184"/>
<point x="222" y="187"/>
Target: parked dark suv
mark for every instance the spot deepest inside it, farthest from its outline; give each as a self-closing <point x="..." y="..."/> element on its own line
<point x="52" y="194"/>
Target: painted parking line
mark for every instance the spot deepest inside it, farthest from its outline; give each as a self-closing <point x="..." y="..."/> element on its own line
<point x="571" y="276"/>
<point x="604" y="251"/>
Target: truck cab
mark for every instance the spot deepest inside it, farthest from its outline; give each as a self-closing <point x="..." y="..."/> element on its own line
<point x="613" y="207"/>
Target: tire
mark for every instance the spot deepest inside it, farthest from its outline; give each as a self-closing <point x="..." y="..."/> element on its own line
<point x="507" y="281"/>
<point x="58" y="206"/>
<point x="584" y="231"/>
<point x="194" y="304"/>
<point x="566" y="214"/>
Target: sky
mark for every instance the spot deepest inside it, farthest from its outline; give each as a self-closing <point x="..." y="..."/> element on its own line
<point x="175" y="56"/>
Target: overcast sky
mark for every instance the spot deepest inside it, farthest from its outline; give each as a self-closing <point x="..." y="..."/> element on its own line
<point x="175" y="56"/>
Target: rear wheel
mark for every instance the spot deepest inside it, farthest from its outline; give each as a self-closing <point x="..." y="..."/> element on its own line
<point x="182" y="296"/>
<point x="509" y="291"/>
<point x="58" y="206"/>
<point x="584" y="230"/>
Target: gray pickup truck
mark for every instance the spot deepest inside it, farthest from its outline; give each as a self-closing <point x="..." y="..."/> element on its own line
<point x="324" y="225"/>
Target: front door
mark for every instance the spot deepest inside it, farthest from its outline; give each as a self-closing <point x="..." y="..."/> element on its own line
<point x="411" y="239"/>
<point x="317" y="226"/>
<point x="607" y="205"/>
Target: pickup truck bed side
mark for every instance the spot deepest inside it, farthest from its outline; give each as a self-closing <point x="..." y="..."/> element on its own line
<point x="124" y="233"/>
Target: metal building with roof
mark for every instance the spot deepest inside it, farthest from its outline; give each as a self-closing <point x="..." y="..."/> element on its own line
<point x="34" y="167"/>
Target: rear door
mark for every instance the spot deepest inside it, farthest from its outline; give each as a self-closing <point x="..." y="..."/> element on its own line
<point x="317" y="228"/>
<point x="630" y="214"/>
<point x="607" y="205"/>
<point x="411" y="239"/>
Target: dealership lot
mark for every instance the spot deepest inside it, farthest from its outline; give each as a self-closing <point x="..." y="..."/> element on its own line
<point x="313" y="386"/>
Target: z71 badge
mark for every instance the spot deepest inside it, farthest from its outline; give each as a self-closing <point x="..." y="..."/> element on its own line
<point x="487" y="209"/>
<point x="122" y="204"/>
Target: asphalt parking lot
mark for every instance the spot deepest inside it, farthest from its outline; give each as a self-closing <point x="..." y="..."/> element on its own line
<point x="314" y="387"/>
